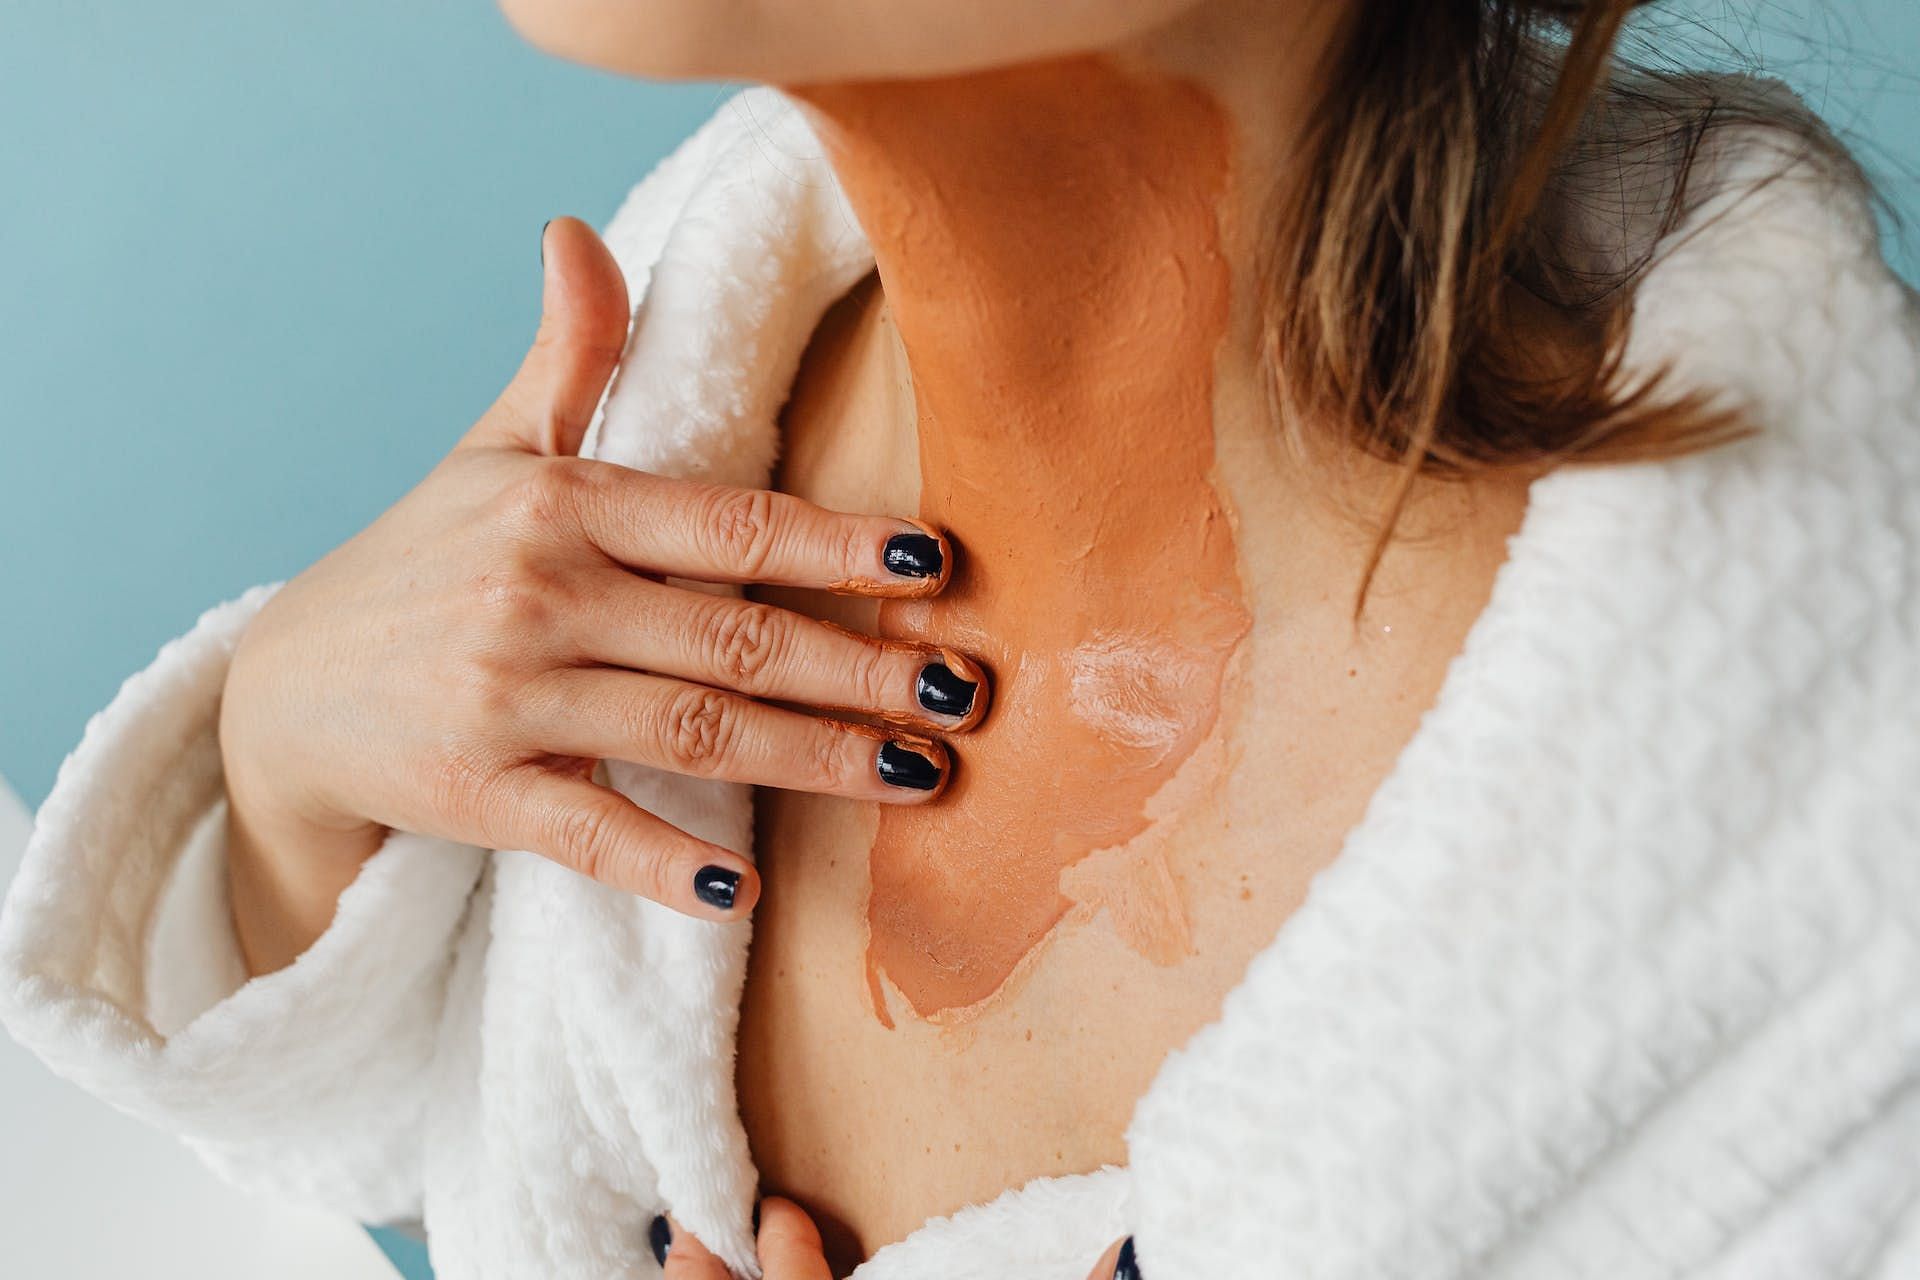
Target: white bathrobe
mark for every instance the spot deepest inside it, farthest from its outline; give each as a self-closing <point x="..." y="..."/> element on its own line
<point x="1618" y="976"/>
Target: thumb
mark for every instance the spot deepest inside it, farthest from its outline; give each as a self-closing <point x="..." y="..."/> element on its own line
<point x="583" y="330"/>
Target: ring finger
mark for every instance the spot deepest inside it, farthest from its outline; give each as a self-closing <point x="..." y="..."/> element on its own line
<point x="610" y="714"/>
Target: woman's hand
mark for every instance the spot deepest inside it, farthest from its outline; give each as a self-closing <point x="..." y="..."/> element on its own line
<point x="787" y="1244"/>
<point x="457" y="668"/>
<point x="789" y="1248"/>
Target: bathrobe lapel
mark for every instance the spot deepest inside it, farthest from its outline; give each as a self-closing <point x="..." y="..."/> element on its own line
<point x="1621" y="954"/>
<point x="733" y="251"/>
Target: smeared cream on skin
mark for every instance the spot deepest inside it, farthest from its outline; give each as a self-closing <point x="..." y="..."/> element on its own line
<point x="1129" y="690"/>
<point x="1062" y="226"/>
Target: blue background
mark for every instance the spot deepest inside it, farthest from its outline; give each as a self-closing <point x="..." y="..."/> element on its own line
<point x="265" y="263"/>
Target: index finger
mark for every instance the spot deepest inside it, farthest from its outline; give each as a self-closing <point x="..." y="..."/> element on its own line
<point x="720" y="533"/>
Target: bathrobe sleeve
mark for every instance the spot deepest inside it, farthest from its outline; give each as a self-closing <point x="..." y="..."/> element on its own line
<point x="119" y="965"/>
<point x="118" y="961"/>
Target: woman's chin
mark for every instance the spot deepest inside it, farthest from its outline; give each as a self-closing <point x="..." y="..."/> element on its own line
<point x="819" y="41"/>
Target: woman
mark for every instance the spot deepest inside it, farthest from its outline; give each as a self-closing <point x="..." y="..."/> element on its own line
<point x="1599" y="718"/>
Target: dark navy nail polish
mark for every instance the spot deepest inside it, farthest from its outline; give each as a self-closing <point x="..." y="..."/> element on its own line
<point x="1126" y="1266"/>
<point x="660" y="1238"/>
<point x="913" y="555"/>
<point x="902" y="767"/>
<point x="943" y="692"/>
<point x="756" y="1217"/>
<point x="543" y="241"/>
<point x="715" y="886"/>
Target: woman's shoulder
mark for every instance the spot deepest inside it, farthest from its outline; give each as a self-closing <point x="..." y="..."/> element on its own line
<point x="1773" y="282"/>
<point x="1772" y="293"/>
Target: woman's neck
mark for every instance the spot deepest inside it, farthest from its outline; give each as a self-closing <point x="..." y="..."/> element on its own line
<point x="1050" y="242"/>
<point x="1072" y="250"/>
<point x="1052" y="236"/>
<point x="1048" y="238"/>
<point x="1069" y="253"/>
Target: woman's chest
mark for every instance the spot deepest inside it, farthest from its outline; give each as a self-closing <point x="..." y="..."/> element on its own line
<point x="878" y="1115"/>
<point x="945" y="1003"/>
<point x="876" y="1128"/>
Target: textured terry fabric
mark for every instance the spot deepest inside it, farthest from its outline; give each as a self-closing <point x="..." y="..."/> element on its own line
<point x="1618" y="976"/>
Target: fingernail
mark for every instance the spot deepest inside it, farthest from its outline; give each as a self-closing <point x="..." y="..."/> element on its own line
<point x="1126" y="1266"/>
<point x="943" y="692"/>
<point x="901" y="766"/>
<point x="756" y="1217"/>
<point x="913" y="555"/>
<point x="660" y="1238"/>
<point x="543" y="241"/>
<point x="716" y="886"/>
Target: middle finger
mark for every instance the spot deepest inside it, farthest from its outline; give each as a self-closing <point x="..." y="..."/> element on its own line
<point x="768" y="652"/>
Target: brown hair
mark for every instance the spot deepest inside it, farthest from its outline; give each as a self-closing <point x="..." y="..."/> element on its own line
<point x="1404" y="270"/>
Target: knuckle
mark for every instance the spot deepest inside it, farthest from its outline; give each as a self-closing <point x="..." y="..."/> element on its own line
<point x="594" y="838"/>
<point x="872" y="677"/>
<point x="825" y="761"/>
<point x="741" y="527"/>
<point x="485" y="686"/>
<point x="582" y="836"/>
<point x="854" y="544"/>
<point x="697" y="730"/>
<point x="546" y="496"/>
<point x="743" y="641"/>
<point x="523" y="594"/>
<point x="457" y="787"/>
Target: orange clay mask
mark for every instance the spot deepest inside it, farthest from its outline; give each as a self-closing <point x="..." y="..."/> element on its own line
<point x="1048" y="238"/>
